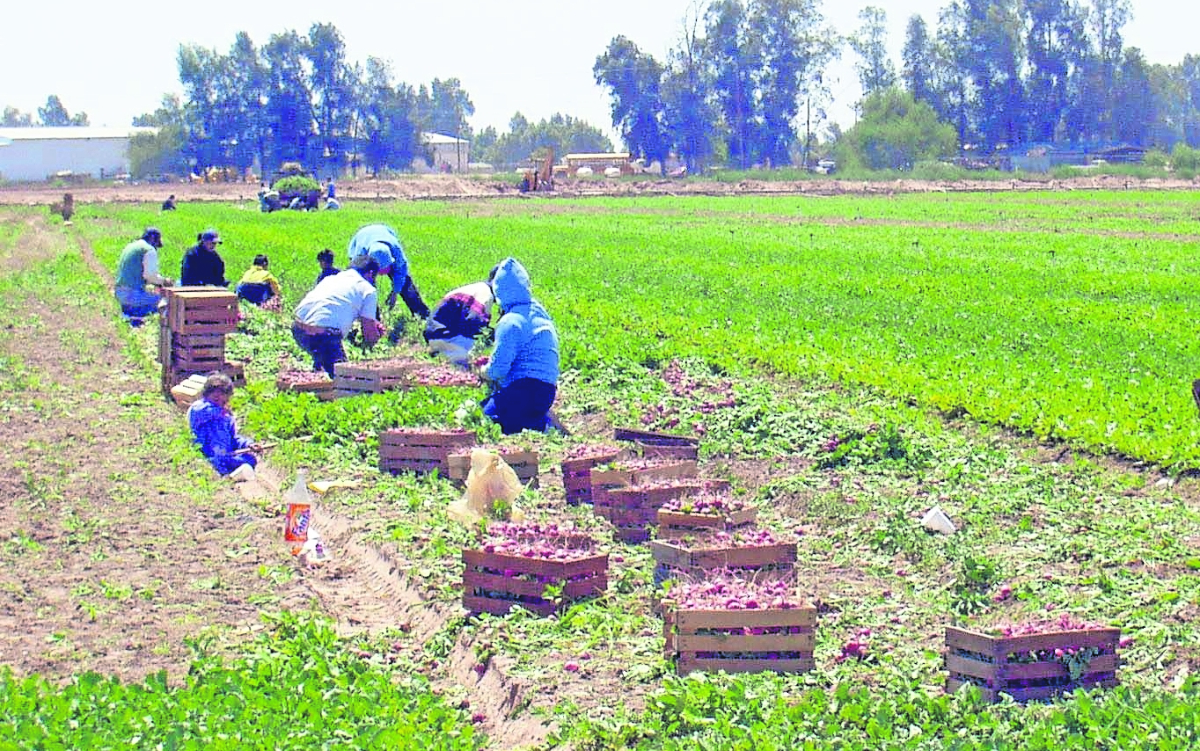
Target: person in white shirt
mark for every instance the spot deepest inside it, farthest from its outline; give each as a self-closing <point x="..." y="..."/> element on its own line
<point x="327" y="314"/>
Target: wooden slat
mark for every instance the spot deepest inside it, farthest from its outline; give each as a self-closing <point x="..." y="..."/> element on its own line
<point x="689" y="621"/>
<point x="959" y="665"/>
<point x="646" y="436"/>
<point x="448" y="439"/>
<point x="687" y="664"/>
<point x="745" y="642"/>
<point x="1024" y="671"/>
<point x="477" y="604"/>
<point x="593" y="564"/>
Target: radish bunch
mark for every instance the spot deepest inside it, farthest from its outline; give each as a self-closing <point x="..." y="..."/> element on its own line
<point x="742" y="538"/>
<point x="546" y="542"/>
<point x="302" y="377"/>
<point x="440" y="375"/>
<point x="705" y="503"/>
<point x="1064" y="622"/>
<point x="725" y="591"/>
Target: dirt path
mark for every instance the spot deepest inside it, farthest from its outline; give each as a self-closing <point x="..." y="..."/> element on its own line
<point x="114" y="559"/>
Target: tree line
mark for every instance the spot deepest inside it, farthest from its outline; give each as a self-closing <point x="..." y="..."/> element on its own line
<point x="54" y="114"/>
<point x="299" y="99"/>
<point x="1000" y="73"/>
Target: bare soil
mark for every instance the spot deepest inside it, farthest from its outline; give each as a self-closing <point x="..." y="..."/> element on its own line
<point x="418" y="187"/>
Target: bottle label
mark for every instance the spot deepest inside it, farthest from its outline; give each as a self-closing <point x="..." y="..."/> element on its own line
<point x="295" y="525"/>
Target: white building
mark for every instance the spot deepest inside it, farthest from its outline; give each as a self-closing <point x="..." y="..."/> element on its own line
<point x="450" y="154"/>
<point x="34" y="154"/>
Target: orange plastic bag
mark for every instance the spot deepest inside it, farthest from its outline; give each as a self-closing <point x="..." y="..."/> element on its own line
<point x="492" y="491"/>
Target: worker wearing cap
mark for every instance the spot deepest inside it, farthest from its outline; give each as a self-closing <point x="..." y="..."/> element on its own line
<point x="328" y="312"/>
<point x="137" y="269"/>
<point x="380" y="242"/>
<point x="202" y="264"/>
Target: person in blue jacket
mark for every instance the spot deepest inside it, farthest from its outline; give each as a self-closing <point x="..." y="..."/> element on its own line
<point x="524" y="366"/>
<point x="215" y="431"/>
<point x="380" y="242"/>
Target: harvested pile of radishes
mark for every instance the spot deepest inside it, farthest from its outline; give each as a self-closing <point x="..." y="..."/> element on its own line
<point x="442" y="375"/>
<point x="546" y="542"/>
<point x="591" y="451"/>
<point x="301" y="377"/>
<point x="720" y="539"/>
<point x="726" y="591"/>
<point x="705" y="503"/>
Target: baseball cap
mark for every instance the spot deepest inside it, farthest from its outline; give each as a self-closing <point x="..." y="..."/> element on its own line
<point x="210" y="234"/>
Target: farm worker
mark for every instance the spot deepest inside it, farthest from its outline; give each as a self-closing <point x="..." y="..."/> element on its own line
<point x="325" y="261"/>
<point x="459" y="319"/>
<point x="258" y="285"/>
<point x="169" y="204"/>
<point x="380" y="242"/>
<point x="327" y="313"/>
<point x="268" y="200"/>
<point x="330" y="190"/>
<point x="524" y="366"/>
<point x="202" y="264"/>
<point x="137" y="268"/>
<point x="215" y="431"/>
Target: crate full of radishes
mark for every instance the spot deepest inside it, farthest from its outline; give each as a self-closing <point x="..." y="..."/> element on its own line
<point x="754" y="553"/>
<point x="577" y="469"/>
<point x="739" y="626"/>
<point x="633" y="510"/>
<point x="317" y="383"/>
<point x="516" y="565"/>
<point x="1033" y="660"/>
<point x="651" y="445"/>
<point x="625" y="473"/>
<point x="707" y="510"/>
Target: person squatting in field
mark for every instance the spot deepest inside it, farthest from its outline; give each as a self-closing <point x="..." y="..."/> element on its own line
<point x="258" y="285"/>
<point x="524" y="366"/>
<point x="137" y="269"/>
<point x="459" y="319"/>
<point x="328" y="312"/>
<point x="215" y="431"/>
<point x="325" y="261"/>
<point x="202" y="264"/>
<point x="380" y="242"/>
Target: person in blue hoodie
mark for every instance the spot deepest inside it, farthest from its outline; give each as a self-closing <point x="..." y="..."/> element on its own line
<point x="215" y="431"/>
<point x="524" y="366"/>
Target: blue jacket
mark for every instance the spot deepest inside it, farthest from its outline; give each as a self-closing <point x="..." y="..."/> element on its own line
<point x="383" y="244"/>
<point x="216" y="434"/>
<point x="526" y="340"/>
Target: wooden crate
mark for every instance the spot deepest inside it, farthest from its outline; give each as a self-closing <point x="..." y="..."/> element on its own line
<point x="674" y="559"/>
<point x="660" y="445"/>
<point x="172" y="375"/>
<point x="201" y="310"/>
<point x="577" y="476"/>
<point x="190" y="351"/>
<point x="496" y="582"/>
<point x="188" y="390"/>
<point x="322" y="389"/>
<point x="633" y="510"/>
<point x="421" y="451"/>
<point x="352" y="379"/>
<point x="524" y="463"/>
<point x="676" y="523"/>
<point x="1025" y="667"/>
<point x="725" y="640"/>
<point x="604" y="480"/>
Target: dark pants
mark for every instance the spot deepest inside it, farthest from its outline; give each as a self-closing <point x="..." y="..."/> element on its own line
<point x="326" y="349"/>
<point x="522" y="405"/>
<point x="255" y="293"/>
<point x="412" y="299"/>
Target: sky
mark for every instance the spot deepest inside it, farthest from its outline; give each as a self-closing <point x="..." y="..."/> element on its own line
<point x="115" y="60"/>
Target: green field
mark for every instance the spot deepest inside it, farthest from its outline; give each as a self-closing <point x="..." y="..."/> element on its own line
<point x="849" y="362"/>
<point x="1067" y="316"/>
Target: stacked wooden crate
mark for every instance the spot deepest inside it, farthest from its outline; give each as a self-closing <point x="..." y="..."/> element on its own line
<point x="192" y="329"/>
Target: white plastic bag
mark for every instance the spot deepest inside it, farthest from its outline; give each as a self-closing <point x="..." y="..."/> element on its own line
<point x="492" y="490"/>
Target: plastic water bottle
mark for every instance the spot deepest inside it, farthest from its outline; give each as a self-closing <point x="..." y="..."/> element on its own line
<point x="299" y="512"/>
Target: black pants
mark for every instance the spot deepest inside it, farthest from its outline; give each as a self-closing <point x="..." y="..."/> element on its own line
<point x="412" y="299"/>
<point x="524" y="404"/>
<point x="326" y="349"/>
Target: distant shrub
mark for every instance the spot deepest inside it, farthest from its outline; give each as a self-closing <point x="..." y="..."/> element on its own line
<point x="1156" y="158"/>
<point x="289" y="169"/>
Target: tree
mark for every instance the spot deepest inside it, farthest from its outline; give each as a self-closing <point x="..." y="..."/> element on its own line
<point x="444" y="108"/>
<point x="55" y="114"/>
<point x="564" y="134"/>
<point x="333" y="90"/>
<point x="633" y="79"/>
<point x="160" y="153"/>
<point x="1135" y="109"/>
<point x="795" y="49"/>
<point x="733" y="57"/>
<point x="919" y="59"/>
<point x="288" y="108"/>
<point x="687" y="116"/>
<point x="391" y="136"/>
<point x="1107" y="19"/>
<point x="1055" y="44"/>
<point x="198" y="71"/>
<point x="243" y="91"/>
<point x="896" y="132"/>
<point x="993" y="45"/>
<point x="875" y="70"/>
<point x="15" y="118"/>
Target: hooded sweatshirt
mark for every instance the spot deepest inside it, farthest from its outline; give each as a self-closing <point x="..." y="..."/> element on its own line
<point x="526" y="340"/>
